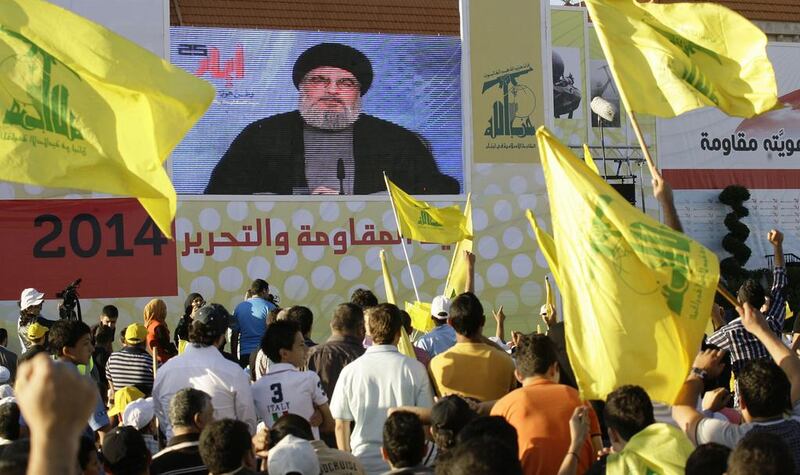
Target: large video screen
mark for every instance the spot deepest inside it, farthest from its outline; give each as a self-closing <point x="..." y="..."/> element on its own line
<point x="321" y="113"/>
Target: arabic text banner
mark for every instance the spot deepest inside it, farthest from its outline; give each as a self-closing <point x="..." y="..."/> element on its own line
<point x="111" y="244"/>
<point x="507" y="71"/>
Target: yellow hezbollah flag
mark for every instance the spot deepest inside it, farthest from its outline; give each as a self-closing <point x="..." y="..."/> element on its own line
<point x="658" y="449"/>
<point x="404" y="345"/>
<point x="546" y="244"/>
<point x="387" y="279"/>
<point x="636" y="295"/>
<point x="457" y="277"/>
<point x="84" y="108"/>
<point x="422" y="222"/>
<point x="420" y="313"/>
<point x="671" y="58"/>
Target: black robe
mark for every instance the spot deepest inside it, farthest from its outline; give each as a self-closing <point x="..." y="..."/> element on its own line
<point x="268" y="156"/>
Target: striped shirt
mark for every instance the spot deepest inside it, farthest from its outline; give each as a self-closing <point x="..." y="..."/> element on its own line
<point x="741" y="344"/>
<point x="130" y="366"/>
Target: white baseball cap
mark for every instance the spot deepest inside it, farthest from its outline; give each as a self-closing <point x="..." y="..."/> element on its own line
<point x="293" y="454"/>
<point x="29" y="298"/>
<point x="138" y="413"/>
<point x="440" y="308"/>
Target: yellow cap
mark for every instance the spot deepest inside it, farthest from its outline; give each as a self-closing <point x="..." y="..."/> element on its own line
<point x="135" y="333"/>
<point x="36" y="331"/>
<point x="123" y="397"/>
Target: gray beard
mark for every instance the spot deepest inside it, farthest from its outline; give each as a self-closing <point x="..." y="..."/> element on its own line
<point x="329" y="120"/>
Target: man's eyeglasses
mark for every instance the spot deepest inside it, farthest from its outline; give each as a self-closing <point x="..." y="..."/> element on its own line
<point x="322" y="81"/>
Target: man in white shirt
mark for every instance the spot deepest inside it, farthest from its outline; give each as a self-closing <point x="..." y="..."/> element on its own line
<point x="285" y="389"/>
<point x="380" y="379"/>
<point x="202" y="366"/>
<point x="768" y="391"/>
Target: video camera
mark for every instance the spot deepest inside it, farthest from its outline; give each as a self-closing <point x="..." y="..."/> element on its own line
<point x="69" y="302"/>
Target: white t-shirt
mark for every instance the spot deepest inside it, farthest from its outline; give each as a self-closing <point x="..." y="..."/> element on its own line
<point x="728" y="434"/>
<point x="380" y="379"/>
<point x="204" y="368"/>
<point x="284" y="390"/>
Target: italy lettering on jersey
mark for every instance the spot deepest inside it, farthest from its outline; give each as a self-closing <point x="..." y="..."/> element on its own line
<point x="286" y="390"/>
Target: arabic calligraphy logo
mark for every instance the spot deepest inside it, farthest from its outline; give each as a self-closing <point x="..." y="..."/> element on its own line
<point x="47" y="106"/>
<point x="426" y="219"/>
<point x="511" y="116"/>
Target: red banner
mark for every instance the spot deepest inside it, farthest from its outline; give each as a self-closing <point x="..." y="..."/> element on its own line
<point x="112" y="245"/>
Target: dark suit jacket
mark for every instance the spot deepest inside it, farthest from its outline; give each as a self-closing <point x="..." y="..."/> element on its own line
<point x="8" y="359"/>
<point x="268" y="156"/>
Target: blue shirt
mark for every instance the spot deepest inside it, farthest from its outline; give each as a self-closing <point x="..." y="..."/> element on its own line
<point x="250" y="320"/>
<point x="438" y="340"/>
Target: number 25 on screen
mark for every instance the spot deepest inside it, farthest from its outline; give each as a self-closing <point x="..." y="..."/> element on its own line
<point x="148" y="235"/>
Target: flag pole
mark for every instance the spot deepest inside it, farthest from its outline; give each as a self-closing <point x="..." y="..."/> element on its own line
<point x="654" y="171"/>
<point x="728" y="296"/>
<point x="638" y="131"/>
<point x="402" y="239"/>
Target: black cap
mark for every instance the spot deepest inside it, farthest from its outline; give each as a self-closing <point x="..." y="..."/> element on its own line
<point x="336" y="55"/>
<point x="451" y="413"/>
<point x="213" y="318"/>
<point x="124" y="447"/>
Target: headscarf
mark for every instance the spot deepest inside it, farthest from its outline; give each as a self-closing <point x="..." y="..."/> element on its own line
<point x="187" y="304"/>
<point x="155" y="310"/>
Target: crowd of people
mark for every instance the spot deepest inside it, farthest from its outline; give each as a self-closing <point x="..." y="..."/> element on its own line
<point x="249" y="391"/>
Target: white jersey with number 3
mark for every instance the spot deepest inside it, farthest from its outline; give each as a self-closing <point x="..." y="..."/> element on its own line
<point x="286" y="390"/>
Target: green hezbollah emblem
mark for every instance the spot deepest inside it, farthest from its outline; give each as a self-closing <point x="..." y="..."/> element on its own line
<point x="426" y="219"/>
<point x="47" y="106"/>
<point x="657" y="247"/>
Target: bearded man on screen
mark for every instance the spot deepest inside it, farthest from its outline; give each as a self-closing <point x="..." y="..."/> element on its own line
<point x="328" y="146"/>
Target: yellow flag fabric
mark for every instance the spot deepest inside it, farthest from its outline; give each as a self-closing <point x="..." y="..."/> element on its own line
<point x="420" y="313"/>
<point x="671" y="58"/>
<point x="636" y="295"/>
<point x="546" y="244"/>
<point x="549" y="298"/>
<point x="457" y="277"/>
<point x="587" y="157"/>
<point x="658" y="449"/>
<point x="387" y="279"/>
<point x="422" y="222"/>
<point x="86" y="109"/>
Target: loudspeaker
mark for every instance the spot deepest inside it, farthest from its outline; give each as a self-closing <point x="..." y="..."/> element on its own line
<point x="627" y="190"/>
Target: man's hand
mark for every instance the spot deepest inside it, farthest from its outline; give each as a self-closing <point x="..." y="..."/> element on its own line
<point x="717" y="316"/>
<point x="261" y="442"/>
<point x="710" y="361"/>
<point x="752" y="319"/>
<point x="661" y="189"/>
<point x="316" y="419"/>
<point x="499" y="316"/>
<point x="578" y="428"/>
<point x="549" y="315"/>
<point x="470" y="258"/>
<point x="775" y="237"/>
<point x="324" y="190"/>
<point x="716" y="399"/>
<point x="54" y="398"/>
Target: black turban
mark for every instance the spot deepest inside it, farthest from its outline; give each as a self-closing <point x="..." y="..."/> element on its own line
<point x="338" y="56"/>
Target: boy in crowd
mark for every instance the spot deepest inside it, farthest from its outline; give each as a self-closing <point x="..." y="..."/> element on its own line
<point x="541" y="409"/>
<point x="286" y="389"/>
<point x="70" y="342"/>
<point x="404" y="444"/>
<point x="472" y="367"/>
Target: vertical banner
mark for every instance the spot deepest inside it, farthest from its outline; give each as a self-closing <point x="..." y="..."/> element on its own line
<point x="505" y="45"/>
<point x="570" y="101"/>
